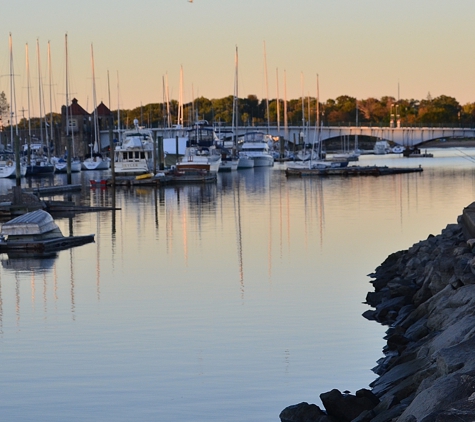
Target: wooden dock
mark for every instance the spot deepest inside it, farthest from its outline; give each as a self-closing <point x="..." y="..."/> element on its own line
<point x="166" y="178"/>
<point x="352" y="171"/>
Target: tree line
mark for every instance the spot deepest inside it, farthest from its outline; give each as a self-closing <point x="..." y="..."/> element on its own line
<point x="344" y="110"/>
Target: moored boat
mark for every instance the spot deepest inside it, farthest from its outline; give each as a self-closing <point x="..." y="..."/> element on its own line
<point x="8" y="169"/>
<point x="134" y="155"/>
<point x="245" y="162"/>
<point x="61" y="165"/>
<point x="36" y="231"/>
<point x="96" y="162"/>
<point x="256" y="148"/>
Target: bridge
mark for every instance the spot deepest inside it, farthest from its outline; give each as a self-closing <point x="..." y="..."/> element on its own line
<point x="405" y="136"/>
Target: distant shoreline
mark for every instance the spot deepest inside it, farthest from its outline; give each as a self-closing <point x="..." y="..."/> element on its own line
<point x="450" y="143"/>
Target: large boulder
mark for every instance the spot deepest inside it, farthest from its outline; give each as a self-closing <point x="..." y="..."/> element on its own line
<point x="303" y="412"/>
<point x="440" y="397"/>
<point x="346" y="407"/>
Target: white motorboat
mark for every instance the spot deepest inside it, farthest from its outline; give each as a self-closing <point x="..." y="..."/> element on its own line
<point x="254" y="145"/>
<point x="347" y="156"/>
<point x="245" y="162"/>
<point x="134" y="155"/>
<point x="201" y="152"/>
<point x="398" y="149"/>
<point x="200" y="158"/>
<point x="317" y="164"/>
<point x="229" y="164"/>
<point x="381" y="148"/>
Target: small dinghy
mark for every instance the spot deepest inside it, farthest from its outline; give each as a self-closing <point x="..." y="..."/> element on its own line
<point x="36" y="231"/>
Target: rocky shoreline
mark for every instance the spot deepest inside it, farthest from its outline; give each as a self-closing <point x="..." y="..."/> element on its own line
<point x="426" y="296"/>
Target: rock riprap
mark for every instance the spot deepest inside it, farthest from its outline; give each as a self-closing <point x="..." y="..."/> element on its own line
<point x="426" y="297"/>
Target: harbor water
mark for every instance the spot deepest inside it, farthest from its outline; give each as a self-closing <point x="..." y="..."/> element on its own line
<point x="218" y="302"/>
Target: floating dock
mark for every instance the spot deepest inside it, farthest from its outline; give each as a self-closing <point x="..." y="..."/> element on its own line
<point x="352" y="171"/>
<point x="166" y="178"/>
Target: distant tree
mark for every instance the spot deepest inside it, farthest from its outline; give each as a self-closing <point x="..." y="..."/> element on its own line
<point x="442" y="109"/>
<point x="4" y="110"/>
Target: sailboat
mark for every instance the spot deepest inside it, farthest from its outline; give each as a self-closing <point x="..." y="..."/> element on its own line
<point x="8" y="165"/>
<point x="61" y="164"/>
<point x="39" y="164"/>
<point x="95" y="160"/>
<point x="230" y="160"/>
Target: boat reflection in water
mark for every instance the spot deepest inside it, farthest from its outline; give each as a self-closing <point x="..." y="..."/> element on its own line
<point x="29" y="262"/>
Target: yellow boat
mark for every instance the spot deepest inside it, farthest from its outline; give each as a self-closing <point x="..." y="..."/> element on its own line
<point x="144" y="176"/>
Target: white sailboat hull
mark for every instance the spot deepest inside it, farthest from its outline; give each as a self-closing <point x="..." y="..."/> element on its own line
<point x="93" y="164"/>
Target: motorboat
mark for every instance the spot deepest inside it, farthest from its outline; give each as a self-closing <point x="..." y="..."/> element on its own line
<point x="229" y="164"/>
<point x="134" y="155"/>
<point x="347" y="156"/>
<point x="381" y="148"/>
<point x="201" y="152"/>
<point x="245" y="162"/>
<point x="254" y="145"/>
<point x="317" y="164"/>
<point x="398" y="149"/>
<point x="229" y="161"/>
<point x="200" y="158"/>
<point x="36" y="231"/>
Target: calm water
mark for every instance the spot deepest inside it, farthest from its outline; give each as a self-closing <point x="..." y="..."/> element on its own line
<point x="211" y="303"/>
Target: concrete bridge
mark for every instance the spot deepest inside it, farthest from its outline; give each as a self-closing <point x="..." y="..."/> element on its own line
<point x="405" y="136"/>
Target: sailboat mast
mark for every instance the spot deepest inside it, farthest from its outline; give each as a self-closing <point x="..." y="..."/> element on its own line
<point x="69" y="110"/>
<point x="67" y="84"/>
<point x="180" y="100"/>
<point x="10" y="45"/>
<point x="167" y="93"/>
<point x="50" y="98"/>
<point x="318" y="103"/>
<point x="118" y="107"/>
<point x="278" y="100"/>
<point x="303" y="105"/>
<point x="286" y="122"/>
<point x="235" y="100"/>
<point x="40" y="89"/>
<point x="28" y="87"/>
<point x="267" y="88"/>
<point x="94" y="100"/>
<point x="14" y="139"/>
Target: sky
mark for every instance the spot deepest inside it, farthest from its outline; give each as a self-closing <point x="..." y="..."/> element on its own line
<point x="361" y="48"/>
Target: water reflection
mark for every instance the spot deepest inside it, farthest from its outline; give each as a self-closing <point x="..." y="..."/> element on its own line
<point x="28" y="262"/>
<point x="216" y="291"/>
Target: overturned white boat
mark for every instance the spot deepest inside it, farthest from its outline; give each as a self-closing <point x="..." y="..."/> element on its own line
<point x="36" y="231"/>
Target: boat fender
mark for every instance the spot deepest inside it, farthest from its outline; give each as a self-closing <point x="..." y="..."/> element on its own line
<point x="9" y="163"/>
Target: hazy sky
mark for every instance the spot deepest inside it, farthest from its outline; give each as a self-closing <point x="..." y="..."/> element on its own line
<point x="360" y="48"/>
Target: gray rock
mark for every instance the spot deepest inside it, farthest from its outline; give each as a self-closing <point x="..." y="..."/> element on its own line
<point x="303" y="412"/>
<point x="441" y="395"/>
<point x="397" y="374"/>
<point x="346" y="407"/>
<point x="460" y="356"/>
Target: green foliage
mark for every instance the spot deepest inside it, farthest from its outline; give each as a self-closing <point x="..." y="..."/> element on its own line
<point x="4" y="110"/>
<point x="344" y="110"/>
